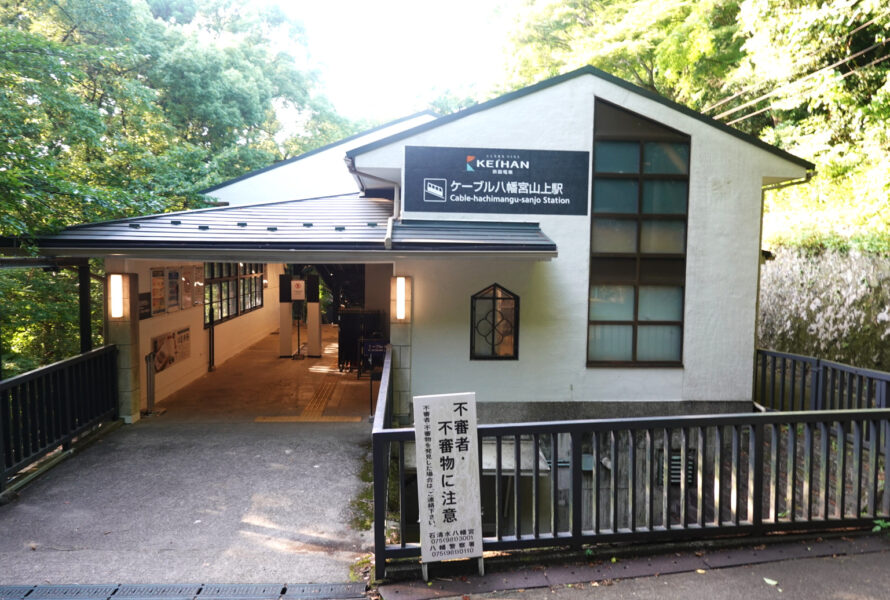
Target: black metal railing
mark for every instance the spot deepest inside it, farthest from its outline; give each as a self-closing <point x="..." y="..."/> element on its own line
<point x="569" y="483"/>
<point x="47" y="408"/>
<point x="791" y="382"/>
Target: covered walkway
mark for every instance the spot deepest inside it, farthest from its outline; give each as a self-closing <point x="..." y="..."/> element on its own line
<point x="246" y="477"/>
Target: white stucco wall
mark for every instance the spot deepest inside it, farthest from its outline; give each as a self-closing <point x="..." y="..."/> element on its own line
<point x="316" y="175"/>
<point x="231" y="337"/>
<point x="723" y="244"/>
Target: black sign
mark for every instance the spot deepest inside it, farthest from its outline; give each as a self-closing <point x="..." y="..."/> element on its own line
<point x="486" y="180"/>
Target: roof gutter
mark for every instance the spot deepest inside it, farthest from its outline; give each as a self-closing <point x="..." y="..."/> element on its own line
<point x="778" y="186"/>
<point x="358" y="175"/>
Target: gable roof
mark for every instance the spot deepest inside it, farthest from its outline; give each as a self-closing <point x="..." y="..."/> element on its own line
<point x="319" y="150"/>
<point x="587" y="70"/>
<point x="350" y="226"/>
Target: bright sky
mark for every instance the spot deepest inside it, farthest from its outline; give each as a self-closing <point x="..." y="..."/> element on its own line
<point x="384" y="59"/>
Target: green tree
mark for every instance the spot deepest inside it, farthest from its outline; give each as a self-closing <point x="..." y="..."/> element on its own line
<point x="682" y="50"/>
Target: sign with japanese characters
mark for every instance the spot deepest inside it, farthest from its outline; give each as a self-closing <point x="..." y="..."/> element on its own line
<point x="448" y="476"/>
<point x="486" y="180"/>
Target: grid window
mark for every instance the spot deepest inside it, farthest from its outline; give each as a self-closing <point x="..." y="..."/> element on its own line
<point x="637" y="241"/>
<point x="494" y="319"/>
<point x="231" y="289"/>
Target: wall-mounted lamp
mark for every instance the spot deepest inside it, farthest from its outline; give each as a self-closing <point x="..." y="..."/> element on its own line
<point x="116" y="296"/>
<point x="400" y="297"/>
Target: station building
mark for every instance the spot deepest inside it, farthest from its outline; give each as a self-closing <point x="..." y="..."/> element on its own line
<point x="578" y="248"/>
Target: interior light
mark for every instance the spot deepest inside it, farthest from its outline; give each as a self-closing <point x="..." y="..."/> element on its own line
<point x="116" y="295"/>
<point x="400" y="298"/>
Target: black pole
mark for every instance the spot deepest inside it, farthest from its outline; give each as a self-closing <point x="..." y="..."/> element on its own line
<point x="86" y="329"/>
<point x="211" y="359"/>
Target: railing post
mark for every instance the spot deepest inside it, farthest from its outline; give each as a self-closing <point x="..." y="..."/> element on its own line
<point x="4" y="436"/>
<point x="381" y="472"/>
<point x="819" y="384"/>
<point x="576" y="495"/>
<point x="112" y="377"/>
<point x="757" y="512"/>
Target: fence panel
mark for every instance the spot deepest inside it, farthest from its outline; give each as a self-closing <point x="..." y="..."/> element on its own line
<point x="791" y="382"/>
<point x="569" y="483"/>
<point x="47" y="408"/>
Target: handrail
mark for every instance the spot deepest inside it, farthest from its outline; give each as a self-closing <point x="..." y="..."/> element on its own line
<point x="41" y="371"/>
<point x="49" y="407"/>
<point x="384" y="393"/>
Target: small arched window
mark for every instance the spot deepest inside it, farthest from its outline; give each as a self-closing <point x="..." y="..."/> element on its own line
<point x="494" y="324"/>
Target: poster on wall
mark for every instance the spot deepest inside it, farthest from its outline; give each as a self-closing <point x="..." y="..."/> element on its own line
<point x="170" y="348"/>
<point x="188" y="286"/>
<point x="158" y="291"/>
<point x="144" y="305"/>
<point x="173" y="289"/>
<point x="488" y="180"/>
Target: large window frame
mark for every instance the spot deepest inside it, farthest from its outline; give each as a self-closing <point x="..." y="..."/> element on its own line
<point x="635" y="284"/>
<point x="494" y="324"/>
<point x="232" y="290"/>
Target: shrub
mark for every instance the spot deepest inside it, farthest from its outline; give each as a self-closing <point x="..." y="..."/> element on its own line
<point x="834" y="304"/>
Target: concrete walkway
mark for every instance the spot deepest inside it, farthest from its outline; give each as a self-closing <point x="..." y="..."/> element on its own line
<point x="211" y="490"/>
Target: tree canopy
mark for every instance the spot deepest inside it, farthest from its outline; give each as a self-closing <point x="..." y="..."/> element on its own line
<point x="112" y="108"/>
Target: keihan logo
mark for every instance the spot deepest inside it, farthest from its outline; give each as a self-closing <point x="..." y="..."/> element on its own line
<point x="474" y="163"/>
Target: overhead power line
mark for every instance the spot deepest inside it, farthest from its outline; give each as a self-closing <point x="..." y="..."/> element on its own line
<point x="844" y="76"/>
<point x="750" y="88"/>
<point x="779" y="89"/>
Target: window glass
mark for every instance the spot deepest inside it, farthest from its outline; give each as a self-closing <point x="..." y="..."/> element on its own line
<point x="615" y="196"/>
<point x="638" y="242"/>
<point x="662" y="270"/>
<point x="659" y="342"/>
<point x="661" y="303"/>
<point x="613" y="270"/>
<point x="663" y="237"/>
<point x="664" y="197"/>
<point x="610" y="342"/>
<point x="665" y="158"/>
<point x="614" y="235"/>
<point x="494" y="324"/>
<point x="617" y="157"/>
<point x="612" y="303"/>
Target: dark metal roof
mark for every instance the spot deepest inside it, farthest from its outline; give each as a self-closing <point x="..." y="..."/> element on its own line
<point x="588" y="70"/>
<point x="470" y="236"/>
<point x="316" y="151"/>
<point x="334" y="222"/>
<point x="347" y="223"/>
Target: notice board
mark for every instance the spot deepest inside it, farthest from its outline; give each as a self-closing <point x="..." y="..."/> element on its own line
<point x="447" y="448"/>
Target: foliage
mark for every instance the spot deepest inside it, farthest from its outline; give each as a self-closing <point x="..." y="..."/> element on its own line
<point x="113" y="108"/>
<point x="826" y="68"/>
<point x="831" y="304"/>
<point x="39" y="324"/>
<point x="682" y="50"/>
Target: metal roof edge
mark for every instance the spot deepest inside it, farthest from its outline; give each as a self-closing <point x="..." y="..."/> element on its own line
<point x="193" y="211"/>
<point x="585" y="70"/>
<point x="154" y="245"/>
<point x="318" y="150"/>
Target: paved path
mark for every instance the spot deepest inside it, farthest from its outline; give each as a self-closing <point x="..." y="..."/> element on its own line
<point x="858" y="577"/>
<point x="204" y="493"/>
